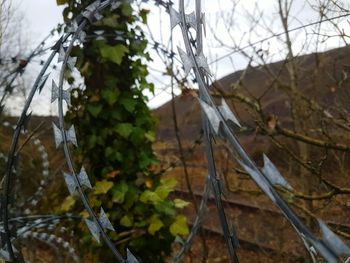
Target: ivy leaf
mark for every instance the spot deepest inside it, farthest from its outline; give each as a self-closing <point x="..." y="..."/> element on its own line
<point x="150" y="136"/>
<point x="102" y="187"/>
<point x="155" y="225"/>
<point x="114" y="53"/>
<point x="62" y="2"/>
<point x="94" y="109"/>
<point x="127" y="221"/>
<point x="179" y="203"/>
<point x="149" y="196"/>
<point x="143" y="15"/>
<point x="124" y="129"/>
<point x="179" y="227"/>
<point x="111" y="96"/>
<point x="119" y="192"/>
<point x="163" y="191"/>
<point x="67" y="204"/>
<point x="129" y="104"/>
<point x="166" y="208"/>
<point x="84" y="214"/>
<point x="169" y="182"/>
<point x="126" y="10"/>
<point x="167" y="186"/>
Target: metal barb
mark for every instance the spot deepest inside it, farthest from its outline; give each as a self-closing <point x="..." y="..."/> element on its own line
<point x="71" y="185"/>
<point x="105" y="221"/>
<point x="55" y="93"/>
<point x="213" y="118"/>
<point x="175" y="18"/>
<point x="332" y="240"/>
<point x="70" y="135"/>
<point x="130" y="257"/>
<point x="227" y="114"/>
<point x="94" y="230"/>
<point x="4" y="255"/>
<point x="61" y="54"/>
<point x="260" y="180"/>
<point x="84" y="179"/>
<point x="71" y="62"/>
<point x="91" y="12"/>
<point x="273" y="175"/>
<point x="43" y="82"/>
<point x="186" y="61"/>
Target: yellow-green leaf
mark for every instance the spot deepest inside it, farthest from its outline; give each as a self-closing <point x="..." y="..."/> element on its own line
<point x="150" y="136"/>
<point x="163" y="191"/>
<point x="114" y="53"/>
<point x="149" y="196"/>
<point x="155" y="224"/>
<point x="102" y="187"/>
<point x="61" y="2"/>
<point x="84" y="214"/>
<point x="124" y="129"/>
<point x="67" y="204"/>
<point x="179" y="227"/>
<point x="167" y="186"/>
<point x="169" y="182"/>
<point x="126" y="221"/>
<point x="179" y="203"/>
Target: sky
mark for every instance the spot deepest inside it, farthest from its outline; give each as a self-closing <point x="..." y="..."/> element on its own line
<point x="232" y="28"/>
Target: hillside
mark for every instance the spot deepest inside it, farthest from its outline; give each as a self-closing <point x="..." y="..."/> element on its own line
<point x="319" y="79"/>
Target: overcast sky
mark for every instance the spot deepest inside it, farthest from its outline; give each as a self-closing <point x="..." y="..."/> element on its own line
<point x="41" y="16"/>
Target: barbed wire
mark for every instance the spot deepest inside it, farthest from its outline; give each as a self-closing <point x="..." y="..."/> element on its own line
<point x="74" y="181"/>
<point x="216" y="121"/>
<point x="27" y="226"/>
<point x="33" y="200"/>
<point x="195" y="21"/>
<point x="7" y="81"/>
<point x="239" y="49"/>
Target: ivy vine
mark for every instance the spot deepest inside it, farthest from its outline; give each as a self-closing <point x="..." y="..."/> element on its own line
<point x="116" y="130"/>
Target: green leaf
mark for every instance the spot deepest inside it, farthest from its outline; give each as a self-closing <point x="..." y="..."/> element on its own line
<point x="150" y="136"/>
<point x="143" y="15"/>
<point x="166" y="187"/>
<point x="124" y="129"/>
<point x="155" y="224"/>
<point x="92" y="141"/>
<point x="94" y="109"/>
<point x="179" y="227"/>
<point x="179" y="203"/>
<point x="127" y="221"/>
<point x="119" y="192"/>
<point x="166" y="208"/>
<point x="62" y="2"/>
<point x="131" y="197"/>
<point x="110" y="21"/>
<point x="163" y="191"/>
<point x="129" y="104"/>
<point x="111" y="96"/>
<point x="126" y="10"/>
<point x="169" y="182"/>
<point x="102" y="187"/>
<point x="114" y="53"/>
<point x="67" y="204"/>
<point x="149" y="196"/>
